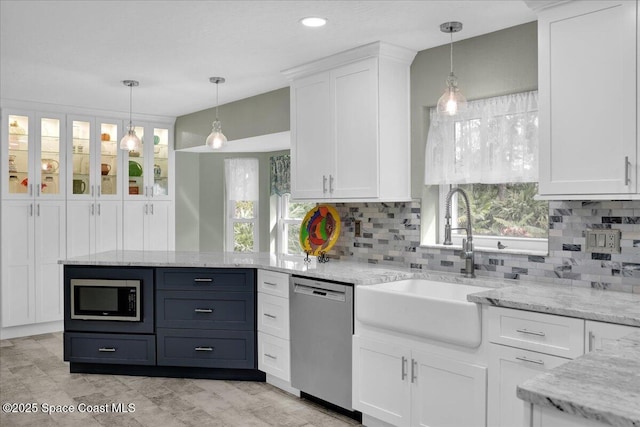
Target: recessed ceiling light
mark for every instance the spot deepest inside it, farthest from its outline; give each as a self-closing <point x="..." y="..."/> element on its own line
<point x="313" y="21"/>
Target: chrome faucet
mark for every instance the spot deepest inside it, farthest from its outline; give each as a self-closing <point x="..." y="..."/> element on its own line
<point x="467" y="244"/>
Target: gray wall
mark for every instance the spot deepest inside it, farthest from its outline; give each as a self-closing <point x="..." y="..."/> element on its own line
<point x="200" y="177"/>
<point x="493" y="64"/>
<point x="259" y="115"/>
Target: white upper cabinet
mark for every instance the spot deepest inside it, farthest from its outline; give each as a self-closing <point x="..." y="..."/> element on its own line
<point x="588" y="100"/>
<point x="350" y="125"/>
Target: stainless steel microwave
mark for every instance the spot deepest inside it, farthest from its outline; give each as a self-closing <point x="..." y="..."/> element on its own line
<point x="102" y="299"/>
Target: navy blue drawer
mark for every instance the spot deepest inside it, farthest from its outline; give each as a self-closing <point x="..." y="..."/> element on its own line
<point x="205" y="310"/>
<point x="206" y="349"/>
<point x="122" y="349"/>
<point x="219" y="279"/>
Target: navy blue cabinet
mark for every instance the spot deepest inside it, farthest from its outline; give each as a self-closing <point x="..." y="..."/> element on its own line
<point x="205" y="317"/>
<point x="125" y="349"/>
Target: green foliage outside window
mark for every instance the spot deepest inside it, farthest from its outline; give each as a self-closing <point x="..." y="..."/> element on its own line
<point x="505" y="210"/>
<point x="243" y="239"/>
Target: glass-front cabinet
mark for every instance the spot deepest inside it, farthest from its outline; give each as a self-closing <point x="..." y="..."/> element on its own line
<point x="94" y="158"/>
<point x="150" y="168"/>
<point x="34" y="155"/>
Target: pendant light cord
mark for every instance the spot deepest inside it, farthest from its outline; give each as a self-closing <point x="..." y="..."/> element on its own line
<point x="130" y="106"/>
<point x="451" y="52"/>
<point x="217" y="102"/>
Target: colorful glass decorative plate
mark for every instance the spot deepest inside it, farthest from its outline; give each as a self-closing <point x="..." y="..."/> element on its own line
<point x="319" y="230"/>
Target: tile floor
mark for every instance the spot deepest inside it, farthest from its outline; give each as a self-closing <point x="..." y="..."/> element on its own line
<point x="32" y="371"/>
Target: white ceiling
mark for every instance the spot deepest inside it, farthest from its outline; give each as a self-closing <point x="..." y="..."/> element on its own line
<point x="76" y="53"/>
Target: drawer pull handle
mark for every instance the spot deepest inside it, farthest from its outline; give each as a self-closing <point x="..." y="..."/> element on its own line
<point x="270" y="283"/>
<point x="107" y="350"/>
<point x="270" y="315"/>
<point x="526" y="331"/>
<point x="526" y="359"/>
<point x="204" y="349"/>
<point x="271" y="356"/>
<point x="202" y="280"/>
<point x="404" y="368"/>
<point x="203" y="310"/>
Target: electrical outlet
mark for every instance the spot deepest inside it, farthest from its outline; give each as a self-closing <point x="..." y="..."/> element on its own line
<point x="603" y="241"/>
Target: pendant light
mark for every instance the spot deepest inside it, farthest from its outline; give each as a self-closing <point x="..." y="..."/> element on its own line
<point x="130" y="141"/>
<point x="216" y="138"/>
<point x="452" y="101"/>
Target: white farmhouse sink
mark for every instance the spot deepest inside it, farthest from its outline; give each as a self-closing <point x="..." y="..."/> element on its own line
<point x="435" y="310"/>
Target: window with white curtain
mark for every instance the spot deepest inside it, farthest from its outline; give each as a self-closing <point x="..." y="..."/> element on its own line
<point x="491" y="151"/>
<point x="242" y="196"/>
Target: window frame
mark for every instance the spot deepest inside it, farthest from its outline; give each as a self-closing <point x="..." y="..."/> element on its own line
<point x="232" y="220"/>
<point x="282" y="212"/>
<point x="485" y="243"/>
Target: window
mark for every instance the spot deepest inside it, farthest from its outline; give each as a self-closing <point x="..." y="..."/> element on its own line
<point x="490" y="151"/>
<point x="241" y="179"/>
<point x="290" y="216"/>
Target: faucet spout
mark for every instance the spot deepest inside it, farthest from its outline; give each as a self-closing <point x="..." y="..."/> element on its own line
<point x="467" y="244"/>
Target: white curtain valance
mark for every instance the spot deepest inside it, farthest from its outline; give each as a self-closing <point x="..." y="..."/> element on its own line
<point x="495" y="140"/>
<point x="241" y="178"/>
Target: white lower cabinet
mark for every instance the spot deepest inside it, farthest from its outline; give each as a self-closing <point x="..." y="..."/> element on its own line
<point x="148" y="225"/>
<point x="524" y="344"/>
<point x="405" y="386"/>
<point x="274" y="347"/>
<point x="599" y="334"/>
<point x="33" y="240"/>
<point x="508" y="367"/>
<point x="93" y="227"/>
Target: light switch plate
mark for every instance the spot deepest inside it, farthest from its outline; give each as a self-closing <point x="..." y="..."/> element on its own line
<point x="603" y="241"/>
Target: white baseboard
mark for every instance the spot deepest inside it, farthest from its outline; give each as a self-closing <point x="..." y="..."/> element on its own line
<point x="28" y="330"/>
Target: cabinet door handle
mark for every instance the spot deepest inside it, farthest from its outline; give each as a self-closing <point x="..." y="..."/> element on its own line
<point x="204" y="349"/>
<point x="414" y="363"/>
<point x="93" y="209"/>
<point x="404" y="368"/>
<point x="99" y="191"/>
<point x="107" y="350"/>
<point x="592" y="339"/>
<point x="38" y="209"/>
<point x="203" y="280"/>
<point x="271" y="316"/>
<point x="324" y="183"/>
<point x="99" y="213"/>
<point x="203" y="310"/>
<point x="31" y="189"/>
<point x="151" y="208"/>
<point x="528" y="332"/>
<point x="30" y="209"/>
<point x="38" y="190"/>
<point x="330" y="183"/>
<point x="270" y="356"/>
<point x="526" y="359"/>
<point x="146" y="209"/>
<point x="627" y="164"/>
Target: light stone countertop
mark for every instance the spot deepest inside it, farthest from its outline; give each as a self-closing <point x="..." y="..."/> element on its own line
<point x="357" y="273"/>
<point x="603" y="385"/>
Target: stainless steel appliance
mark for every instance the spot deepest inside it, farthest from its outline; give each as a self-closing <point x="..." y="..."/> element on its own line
<point x="321" y="330"/>
<point x="104" y="299"/>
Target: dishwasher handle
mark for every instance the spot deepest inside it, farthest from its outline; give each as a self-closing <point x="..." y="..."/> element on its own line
<point x="320" y="292"/>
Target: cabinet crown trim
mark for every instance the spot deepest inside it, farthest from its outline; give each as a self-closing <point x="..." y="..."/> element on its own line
<point x="377" y="49"/>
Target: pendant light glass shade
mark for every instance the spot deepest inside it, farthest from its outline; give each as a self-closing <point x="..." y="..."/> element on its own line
<point x="216" y="138"/>
<point x="452" y="100"/>
<point x="130" y="141"/>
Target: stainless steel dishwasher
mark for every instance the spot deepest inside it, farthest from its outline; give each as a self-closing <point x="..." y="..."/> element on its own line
<point x="321" y="329"/>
